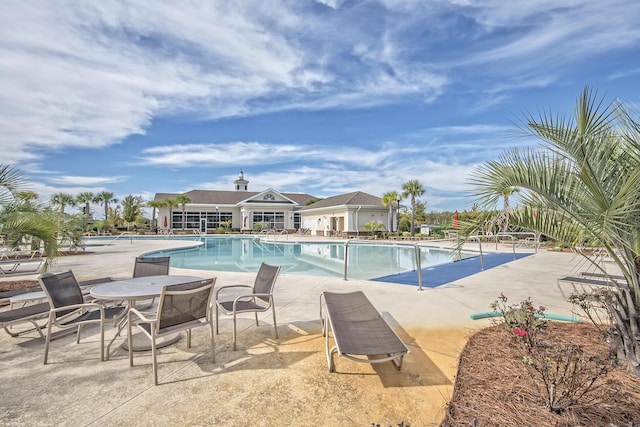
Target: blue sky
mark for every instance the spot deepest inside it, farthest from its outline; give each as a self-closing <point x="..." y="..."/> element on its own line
<point x="322" y="97"/>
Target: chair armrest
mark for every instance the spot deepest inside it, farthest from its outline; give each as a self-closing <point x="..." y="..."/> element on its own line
<point x="142" y="316"/>
<point x="250" y="296"/>
<point x="77" y="307"/>
<point x="229" y="287"/>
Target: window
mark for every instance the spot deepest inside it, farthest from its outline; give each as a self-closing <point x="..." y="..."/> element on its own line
<point x="193" y="219"/>
<point x="272" y="219"/>
<point x="269" y="197"/>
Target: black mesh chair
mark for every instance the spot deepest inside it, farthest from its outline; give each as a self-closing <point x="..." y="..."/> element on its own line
<point x="151" y="266"/>
<point x="260" y="299"/>
<point x="181" y="307"/>
<point x="69" y="309"/>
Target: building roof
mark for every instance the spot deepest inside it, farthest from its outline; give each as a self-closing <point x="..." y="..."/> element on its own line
<point x="213" y="197"/>
<point x="357" y="198"/>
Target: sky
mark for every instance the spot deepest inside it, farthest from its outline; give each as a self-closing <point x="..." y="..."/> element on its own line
<point x="321" y="97"/>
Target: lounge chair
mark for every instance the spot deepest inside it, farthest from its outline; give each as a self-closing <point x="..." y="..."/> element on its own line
<point x="359" y="331"/>
<point x="181" y="308"/>
<point x="29" y="313"/>
<point x="259" y="300"/>
<point x="12" y="265"/>
<point x="5" y="296"/>
<point x="586" y="284"/>
<point x="69" y="309"/>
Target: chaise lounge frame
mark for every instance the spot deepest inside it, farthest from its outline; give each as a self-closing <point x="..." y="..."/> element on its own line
<point x="360" y="332"/>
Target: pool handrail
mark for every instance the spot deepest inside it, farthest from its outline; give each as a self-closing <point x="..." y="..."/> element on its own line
<point x="124" y="233"/>
<point x="417" y="252"/>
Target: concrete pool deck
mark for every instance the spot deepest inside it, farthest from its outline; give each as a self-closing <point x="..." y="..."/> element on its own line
<point x="267" y="381"/>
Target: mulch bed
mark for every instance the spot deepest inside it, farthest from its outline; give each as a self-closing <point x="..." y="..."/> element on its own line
<point x="18" y="284"/>
<point x="494" y="388"/>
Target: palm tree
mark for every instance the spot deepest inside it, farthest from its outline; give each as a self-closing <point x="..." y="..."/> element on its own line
<point x="155" y="204"/>
<point x="22" y="218"/>
<point x="583" y="182"/>
<point x="506" y="209"/>
<point x="182" y="200"/>
<point x="414" y="189"/>
<point x="104" y="198"/>
<point x="389" y="199"/>
<point x="85" y="198"/>
<point x="62" y="200"/>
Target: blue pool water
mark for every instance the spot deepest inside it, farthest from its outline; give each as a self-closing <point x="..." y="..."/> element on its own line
<point x="365" y="261"/>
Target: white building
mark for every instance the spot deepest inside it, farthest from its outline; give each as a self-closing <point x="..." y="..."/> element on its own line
<point x="245" y="211"/>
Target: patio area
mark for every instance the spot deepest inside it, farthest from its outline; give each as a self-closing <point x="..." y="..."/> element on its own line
<point x="267" y="381"/>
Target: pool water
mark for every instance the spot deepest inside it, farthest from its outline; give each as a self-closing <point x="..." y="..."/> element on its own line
<point x="365" y="261"/>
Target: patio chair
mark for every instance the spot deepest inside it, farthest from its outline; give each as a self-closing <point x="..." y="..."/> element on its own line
<point x="69" y="309"/>
<point x="258" y="301"/>
<point x="151" y="266"/>
<point x="158" y="266"/>
<point x="35" y="311"/>
<point x="181" y="307"/>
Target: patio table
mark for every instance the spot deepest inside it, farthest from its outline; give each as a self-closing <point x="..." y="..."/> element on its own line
<point x="136" y="289"/>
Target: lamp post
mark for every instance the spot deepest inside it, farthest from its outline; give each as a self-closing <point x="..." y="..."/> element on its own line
<point x="398" y="218"/>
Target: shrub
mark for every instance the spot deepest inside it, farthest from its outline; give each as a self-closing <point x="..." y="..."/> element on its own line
<point x="562" y="373"/>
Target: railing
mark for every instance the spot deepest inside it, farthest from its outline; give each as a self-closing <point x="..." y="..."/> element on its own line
<point x="417" y="251"/>
<point x="515" y="238"/>
<point x="126" y="233"/>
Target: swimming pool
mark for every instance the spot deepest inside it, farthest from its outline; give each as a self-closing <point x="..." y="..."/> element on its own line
<point x="365" y="260"/>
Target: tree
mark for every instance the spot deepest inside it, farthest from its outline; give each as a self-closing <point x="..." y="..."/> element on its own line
<point x="390" y="198"/>
<point x="584" y="181"/>
<point x="62" y="200"/>
<point x="131" y="208"/>
<point x="22" y="218"/>
<point x="182" y="200"/>
<point x="104" y="198"/>
<point x="373" y="227"/>
<point x="155" y="204"/>
<point x="85" y="198"/>
<point x="414" y="189"/>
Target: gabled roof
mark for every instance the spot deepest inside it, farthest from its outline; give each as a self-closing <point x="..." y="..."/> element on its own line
<point x="357" y="198"/>
<point x="213" y="197"/>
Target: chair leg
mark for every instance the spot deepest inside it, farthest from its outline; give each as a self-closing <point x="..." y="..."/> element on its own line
<point x="217" y="331"/>
<point x="256" y="315"/>
<point x="188" y="338"/>
<point x="78" y="332"/>
<point x="213" y="344"/>
<point x="48" y="339"/>
<point x="155" y="361"/>
<point x="234" y="331"/>
<point x="274" y="321"/>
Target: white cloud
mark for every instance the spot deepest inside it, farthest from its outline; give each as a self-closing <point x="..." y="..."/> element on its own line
<point x="87" y="181"/>
<point x="91" y="74"/>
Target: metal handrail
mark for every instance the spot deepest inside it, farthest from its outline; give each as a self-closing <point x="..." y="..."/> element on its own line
<point x="417" y="251"/>
<point x="513" y="235"/>
<point x="125" y="233"/>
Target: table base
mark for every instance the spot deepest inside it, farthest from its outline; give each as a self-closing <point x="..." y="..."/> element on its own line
<point x="142" y="343"/>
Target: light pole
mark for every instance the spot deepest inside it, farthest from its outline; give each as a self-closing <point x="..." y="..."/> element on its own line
<point x="398" y="218"/>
